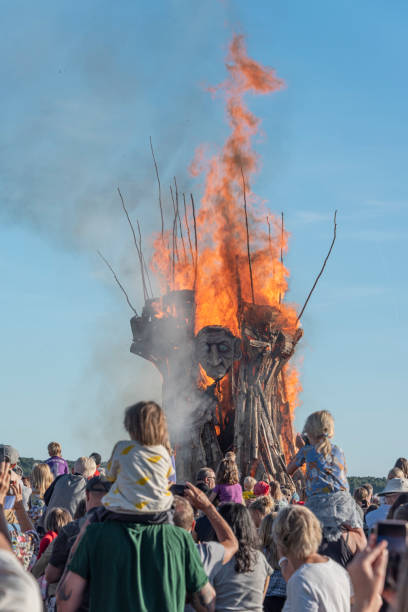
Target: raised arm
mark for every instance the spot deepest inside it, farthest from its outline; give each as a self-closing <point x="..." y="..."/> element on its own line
<point x="4" y="487"/>
<point x="223" y="531"/>
<point x="22" y="516"/>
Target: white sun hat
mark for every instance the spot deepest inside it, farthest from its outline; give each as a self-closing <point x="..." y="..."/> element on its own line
<point x="395" y="485"/>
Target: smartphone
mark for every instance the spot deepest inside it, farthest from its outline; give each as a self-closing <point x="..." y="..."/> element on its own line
<point x="9" y="502"/>
<point x="395" y="534"/>
<point x="178" y="489"/>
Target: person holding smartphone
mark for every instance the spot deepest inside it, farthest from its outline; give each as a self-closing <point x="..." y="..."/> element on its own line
<point x="19" y="590"/>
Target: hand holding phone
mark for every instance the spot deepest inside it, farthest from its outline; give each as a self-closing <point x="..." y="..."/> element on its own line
<point x="178" y="489"/>
<point x="395" y="534"/>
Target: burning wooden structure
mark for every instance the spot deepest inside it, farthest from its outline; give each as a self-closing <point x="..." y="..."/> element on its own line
<point x="221" y="334"/>
<point x="245" y="406"/>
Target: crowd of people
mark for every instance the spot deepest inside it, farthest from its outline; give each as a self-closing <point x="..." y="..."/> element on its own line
<point x="128" y="537"/>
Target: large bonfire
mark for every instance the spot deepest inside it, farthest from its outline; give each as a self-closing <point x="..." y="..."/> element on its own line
<point x="223" y="281"/>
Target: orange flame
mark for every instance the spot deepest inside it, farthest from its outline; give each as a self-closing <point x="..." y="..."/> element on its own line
<point x="220" y="274"/>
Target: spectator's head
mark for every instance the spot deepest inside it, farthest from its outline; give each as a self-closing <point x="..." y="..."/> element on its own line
<point x="401" y="499"/>
<point x="275" y="490"/>
<point x="401" y="513"/>
<point x="26" y="481"/>
<point x="41" y="478"/>
<point x="249" y="483"/>
<point x="56" y="519"/>
<point x="259" y="508"/>
<point x="206" y="476"/>
<point x="267" y="542"/>
<point x="297" y="532"/>
<point x="183" y="513"/>
<point x="370" y="490"/>
<point x="54" y="449"/>
<point x="287" y="494"/>
<point x="230" y="455"/>
<point x="146" y="423"/>
<point x="395" y="473"/>
<point x="393" y="490"/>
<point x="85" y="466"/>
<point x="361" y="497"/>
<point x="402" y="463"/>
<point x="96" y="488"/>
<point x="319" y="428"/>
<point x="261" y="488"/>
<point x="10" y="453"/>
<point x="239" y="519"/>
<point x="227" y="472"/>
<point x="97" y="458"/>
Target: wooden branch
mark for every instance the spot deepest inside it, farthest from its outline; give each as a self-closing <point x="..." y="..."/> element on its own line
<point x="323" y="266"/>
<point x="188" y="228"/>
<point x="247" y="234"/>
<point x="145" y="294"/>
<point x="175" y="245"/>
<point x="269" y="233"/>
<point x="281" y="252"/>
<point x="143" y="259"/>
<point x="118" y="282"/>
<point x="179" y="218"/>
<point x="195" y="240"/>
<point x="158" y="181"/>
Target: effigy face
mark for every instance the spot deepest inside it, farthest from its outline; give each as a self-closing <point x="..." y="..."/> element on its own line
<point x="216" y="350"/>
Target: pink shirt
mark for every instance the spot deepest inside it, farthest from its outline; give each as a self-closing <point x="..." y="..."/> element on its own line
<point x="229" y="493"/>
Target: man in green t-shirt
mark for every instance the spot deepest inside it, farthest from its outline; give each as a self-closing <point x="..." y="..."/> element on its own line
<point x="133" y="567"/>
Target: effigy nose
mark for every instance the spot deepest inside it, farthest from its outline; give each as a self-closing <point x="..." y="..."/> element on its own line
<point x="214" y="357"/>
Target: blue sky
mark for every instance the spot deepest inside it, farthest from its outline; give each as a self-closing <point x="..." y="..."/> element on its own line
<point x="84" y="85"/>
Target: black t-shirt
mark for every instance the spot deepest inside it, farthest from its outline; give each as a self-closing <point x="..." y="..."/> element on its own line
<point x="64" y="542"/>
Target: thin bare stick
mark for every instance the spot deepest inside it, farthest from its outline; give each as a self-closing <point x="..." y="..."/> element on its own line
<point x="143" y="259"/>
<point x="247" y="234"/>
<point x="158" y="181"/>
<point x="175" y="238"/>
<point x="188" y="228"/>
<point x="118" y="282"/>
<point x="269" y="233"/>
<point x="323" y="266"/>
<point x="195" y="240"/>
<point x="281" y="251"/>
<point x="179" y="218"/>
<point x="145" y="294"/>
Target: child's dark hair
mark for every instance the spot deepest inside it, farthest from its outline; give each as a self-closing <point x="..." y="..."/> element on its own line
<point x="146" y="423"/>
<point x="227" y="472"/>
<point x="57" y="518"/>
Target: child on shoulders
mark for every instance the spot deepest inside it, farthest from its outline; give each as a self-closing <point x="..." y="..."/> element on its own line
<point x="140" y="468"/>
<point x="327" y="488"/>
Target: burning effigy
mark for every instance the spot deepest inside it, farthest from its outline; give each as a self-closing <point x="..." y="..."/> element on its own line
<point x="221" y="334"/>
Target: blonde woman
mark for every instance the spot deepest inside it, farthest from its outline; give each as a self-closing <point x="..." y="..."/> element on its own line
<point x="327" y="489"/>
<point x="259" y="508"/>
<point x="41" y="479"/>
<point x="277" y="496"/>
<point x="314" y="582"/>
